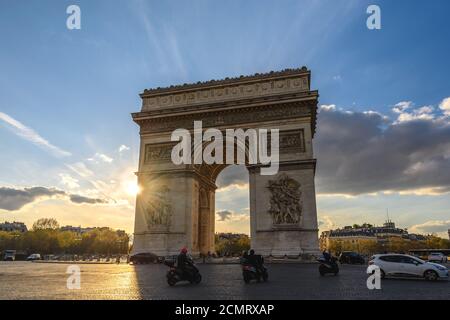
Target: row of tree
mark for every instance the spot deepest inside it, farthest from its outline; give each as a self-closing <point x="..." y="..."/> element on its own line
<point x="231" y="246"/>
<point x="46" y="238"/>
<point x="393" y="244"/>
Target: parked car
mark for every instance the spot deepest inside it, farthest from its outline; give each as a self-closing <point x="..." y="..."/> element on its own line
<point x="351" y="258"/>
<point x="437" y="257"/>
<point x="145" y="257"/>
<point x="408" y="266"/>
<point x="10" y="255"/>
<point x="34" y="257"/>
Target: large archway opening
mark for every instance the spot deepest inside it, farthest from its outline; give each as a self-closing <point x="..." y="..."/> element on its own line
<point x="222" y="218"/>
<point x="232" y="210"/>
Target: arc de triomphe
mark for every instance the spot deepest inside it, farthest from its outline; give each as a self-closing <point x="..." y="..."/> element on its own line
<point x="176" y="205"/>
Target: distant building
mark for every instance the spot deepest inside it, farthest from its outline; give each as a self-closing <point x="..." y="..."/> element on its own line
<point x="231" y="236"/>
<point x="355" y="236"/>
<point x="13" y="227"/>
<point x="80" y="230"/>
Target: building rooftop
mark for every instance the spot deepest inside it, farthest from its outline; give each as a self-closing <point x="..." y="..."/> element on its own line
<point x="200" y="84"/>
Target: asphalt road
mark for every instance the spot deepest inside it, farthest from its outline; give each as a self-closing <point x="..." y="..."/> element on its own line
<point x="26" y="280"/>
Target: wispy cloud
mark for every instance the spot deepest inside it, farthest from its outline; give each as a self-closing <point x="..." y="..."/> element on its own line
<point x="80" y="169"/>
<point x="100" y="157"/>
<point x="30" y="135"/>
<point x="162" y="38"/>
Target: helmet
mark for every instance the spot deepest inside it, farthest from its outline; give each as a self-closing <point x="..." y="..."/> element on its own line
<point x="252" y="252"/>
<point x="184" y="250"/>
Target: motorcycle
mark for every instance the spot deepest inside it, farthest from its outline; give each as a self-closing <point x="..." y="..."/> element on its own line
<point x="249" y="273"/>
<point x="175" y="275"/>
<point x="328" y="266"/>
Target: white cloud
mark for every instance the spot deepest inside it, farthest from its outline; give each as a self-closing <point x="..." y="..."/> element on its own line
<point x="445" y="106"/>
<point x="123" y="148"/>
<point x="433" y="226"/>
<point x="100" y="157"/>
<point x="29" y="134"/>
<point x="423" y="113"/>
<point x="326" y="223"/>
<point x="402" y="106"/>
<point x="330" y="107"/>
<point x="68" y="181"/>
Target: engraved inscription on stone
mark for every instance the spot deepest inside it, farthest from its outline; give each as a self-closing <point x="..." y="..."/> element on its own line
<point x="157" y="152"/>
<point x="292" y="140"/>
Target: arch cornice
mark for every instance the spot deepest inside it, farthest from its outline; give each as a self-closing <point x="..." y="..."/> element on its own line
<point x="230" y="117"/>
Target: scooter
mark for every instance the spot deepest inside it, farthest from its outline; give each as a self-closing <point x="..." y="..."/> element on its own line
<point x="175" y="275"/>
<point x="329" y="266"/>
<point x="249" y="273"/>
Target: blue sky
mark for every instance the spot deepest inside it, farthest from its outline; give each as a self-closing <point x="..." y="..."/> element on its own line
<point x="76" y="89"/>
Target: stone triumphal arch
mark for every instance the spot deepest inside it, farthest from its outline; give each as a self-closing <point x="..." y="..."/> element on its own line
<point x="175" y="207"/>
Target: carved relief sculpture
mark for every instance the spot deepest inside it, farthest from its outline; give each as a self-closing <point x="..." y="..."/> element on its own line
<point x="159" y="209"/>
<point x="285" y="201"/>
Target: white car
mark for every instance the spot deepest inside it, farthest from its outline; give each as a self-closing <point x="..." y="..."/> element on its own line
<point x="34" y="256"/>
<point x="408" y="266"/>
<point x="437" y="257"/>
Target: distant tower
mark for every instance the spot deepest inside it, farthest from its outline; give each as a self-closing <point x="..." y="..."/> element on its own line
<point x="448" y="234"/>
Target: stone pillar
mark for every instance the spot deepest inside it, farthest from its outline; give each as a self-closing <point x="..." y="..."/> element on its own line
<point x="283" y="211"/>
<point x="206" y="220"/>
<point x="165" y="210"/>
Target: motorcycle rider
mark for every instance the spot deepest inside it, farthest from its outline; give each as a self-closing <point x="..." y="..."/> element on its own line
<point x="184" y="263"/>
<point x="255" y="261"/>
<point x="326" y="255"/>
<point x="244" y="257"/>
<point x="329" y="258"/>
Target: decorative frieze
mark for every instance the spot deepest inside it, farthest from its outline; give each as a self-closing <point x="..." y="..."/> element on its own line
<point x="229" y="117"/>
<point x="221" y="93"/>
